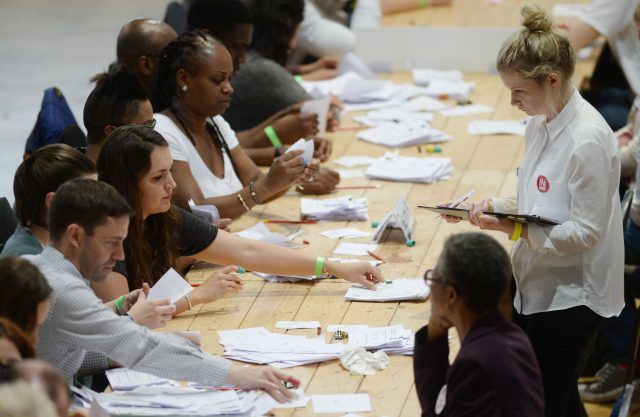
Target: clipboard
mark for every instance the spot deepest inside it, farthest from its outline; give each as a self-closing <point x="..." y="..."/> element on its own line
<point x="520" y="218"/>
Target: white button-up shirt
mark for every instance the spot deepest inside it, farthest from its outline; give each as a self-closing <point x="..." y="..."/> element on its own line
<point x="570" y="173"/>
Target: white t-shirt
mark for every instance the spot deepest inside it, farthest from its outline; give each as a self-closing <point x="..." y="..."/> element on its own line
<point x="183" y="150"/>
<point x="570" y="173"/>
<point x="614" y="20"/>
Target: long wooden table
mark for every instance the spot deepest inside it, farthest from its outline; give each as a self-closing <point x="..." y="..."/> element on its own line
<point x="485" y="163"/>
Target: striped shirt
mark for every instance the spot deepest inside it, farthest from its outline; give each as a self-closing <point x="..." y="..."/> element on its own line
<point x="79" y="322"/>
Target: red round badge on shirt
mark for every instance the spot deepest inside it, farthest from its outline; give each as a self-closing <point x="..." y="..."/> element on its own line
<point x="543" y="184"/>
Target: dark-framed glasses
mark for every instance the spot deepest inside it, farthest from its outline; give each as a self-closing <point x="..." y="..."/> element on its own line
<point x="430" y="277"/>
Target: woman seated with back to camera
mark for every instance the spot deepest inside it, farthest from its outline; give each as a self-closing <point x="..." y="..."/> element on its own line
<point x="472" y="273"/>
<point x="192" y="92"/>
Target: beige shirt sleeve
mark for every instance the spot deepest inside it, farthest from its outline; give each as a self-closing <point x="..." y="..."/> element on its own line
<point x="507" y="205"/>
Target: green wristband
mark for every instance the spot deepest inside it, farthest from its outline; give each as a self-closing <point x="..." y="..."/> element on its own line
<point x="120" y="305"/>
<point x="273" y="136"/>
<point x="298" y="78"/>
<point x="319" y="271"/>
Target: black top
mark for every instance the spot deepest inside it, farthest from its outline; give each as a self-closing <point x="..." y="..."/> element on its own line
<point x="194" y="236"/>
<point x="494" y="375"/>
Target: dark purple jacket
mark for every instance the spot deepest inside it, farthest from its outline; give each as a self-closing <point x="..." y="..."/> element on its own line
<point x="495" y="373"/>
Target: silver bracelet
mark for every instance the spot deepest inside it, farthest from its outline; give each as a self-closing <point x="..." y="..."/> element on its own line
<point x="188" y="302"/>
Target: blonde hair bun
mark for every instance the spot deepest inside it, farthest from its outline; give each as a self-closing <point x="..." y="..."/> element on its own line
<point x="534" y="19"/>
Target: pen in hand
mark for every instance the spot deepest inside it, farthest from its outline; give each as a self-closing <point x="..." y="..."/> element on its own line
<point x="455" y="203"/>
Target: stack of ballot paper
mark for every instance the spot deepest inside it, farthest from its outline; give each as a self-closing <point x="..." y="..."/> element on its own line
<point x="182" y="401"/>
<point x="123" y="379"/>
<point x="396" y="290"/>
<point x="403" y="134"/>
<point x="392" y="339"/>
<point x="393" y="167"/>
<point x="259" y="231"/>
<point x="424" y="76"/>
<point x="258" y="345"/>
<point x="335" y="209"/>
<point x="394" y="115"/>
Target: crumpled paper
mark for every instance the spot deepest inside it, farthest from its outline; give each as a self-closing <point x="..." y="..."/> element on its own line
<point x="360" y="362"/>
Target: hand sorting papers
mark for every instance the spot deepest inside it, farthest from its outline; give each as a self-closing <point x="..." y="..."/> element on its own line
<point x="397" y="135"/>
<point x="297" y="278"/>
<point x="303" y="145"/>
<point x="258" y="345"/>
<point x="335" y="209"/>
<point x="396" y="290"/>
<point x="408" y="169"/>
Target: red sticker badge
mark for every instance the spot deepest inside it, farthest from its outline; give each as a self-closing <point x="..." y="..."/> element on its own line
<point x="543" y="184"/>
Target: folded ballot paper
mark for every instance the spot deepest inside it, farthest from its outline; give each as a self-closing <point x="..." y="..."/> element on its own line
<point x="408" y="133"/>
<point x="392" y="167"/>
<point x="259" y="231"/>
<point x="397" y="290"/>
<point x="335" y="209"/>
<point x="305" y="145"/>
<point x="258" y="345"/>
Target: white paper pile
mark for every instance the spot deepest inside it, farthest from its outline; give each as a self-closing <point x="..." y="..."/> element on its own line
<point x="258" y="345"/>
<point x="123" y="379"/>
<point x="449" y="89"/>
<point x="341" y="403"/>
<point x="260" y="231"/>
<point x="409" y="169"/>
<point x="423" y="104"/>
<point x="424" y="76"/>
<point x="397" y="135"/>
<point x="335" y="209"/>
<point x="466" y="110"/>
<point x="183" y="401"/>
<point x="396" y="290"/>
<point x="392" y="339"/>
<point x="497" y="127"/>
<point x="394" y="115"/>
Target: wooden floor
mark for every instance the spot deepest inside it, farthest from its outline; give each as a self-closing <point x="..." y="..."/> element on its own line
<point x="487" y="164"/>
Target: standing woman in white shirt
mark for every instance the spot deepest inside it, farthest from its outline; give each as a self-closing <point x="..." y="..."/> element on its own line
<point x="568" y="277"/>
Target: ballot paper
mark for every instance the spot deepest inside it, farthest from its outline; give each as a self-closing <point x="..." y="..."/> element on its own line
<point x="341" y="403"/>
<point x="393" y="167"/>
<point x="186" y="401"/>
<point x="497" y="127"/>
<point x="123" y="379"/>
<point x="355" y="249"/>
<point x="351" y="62"/>
<point x="259" y="231"/>
<point x="335" y="209"/>
<point x="352" y="161"/>
<point x="350" y="173"/>
<point x="466" y="110"/>
<point x="305" y="145"/>
<point x="283" y="324"/>
<point x="396" y="135"/>
<point x="397" y="115"/>
<point x="171" y="286"/>
<point x="449" y="89"/>
<point x="320" y="107"/>
<point x="348" y="232"/>
<point x="258" y="345"/>
<point x="425" y="76"/>
<point x="362" y="90"/>
<point x="400" y="217"/>
<point x="333" y="86"/>
<point x="397" y="290"/>
<point x="392" y="339"/>
<point x="423" y="103"/>
<point x="207" y="212"/>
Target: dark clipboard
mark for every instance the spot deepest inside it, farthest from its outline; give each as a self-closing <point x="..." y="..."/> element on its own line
<point x="520" y="218"/>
